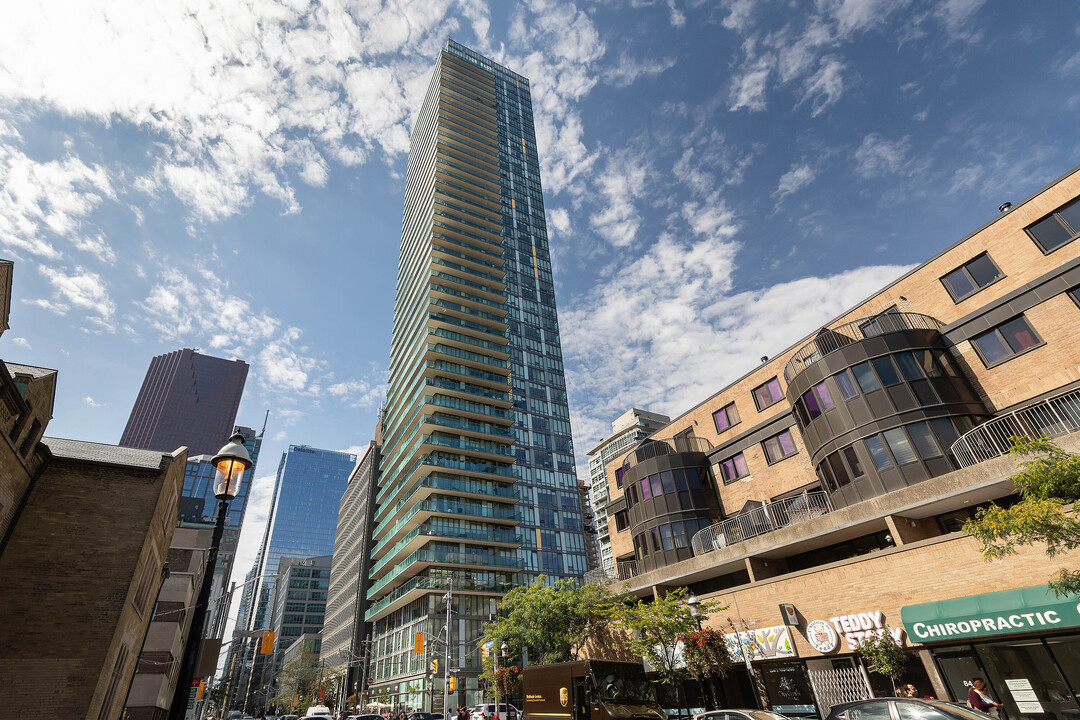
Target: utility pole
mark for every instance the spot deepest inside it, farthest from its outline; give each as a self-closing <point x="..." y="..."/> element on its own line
<point x="446" y="657"/>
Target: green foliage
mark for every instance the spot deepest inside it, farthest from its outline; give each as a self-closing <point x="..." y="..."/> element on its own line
<point x="505" y="680"/>
<point x="1048" y="482"/>
<point x="882" y="655"/>
<point x="656" y="628"/>
<point x="553" y="622"/>
<point x="300" y="676"/>
<point x="706" y="653"/>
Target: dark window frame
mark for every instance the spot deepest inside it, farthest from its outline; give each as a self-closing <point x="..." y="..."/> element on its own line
<point x="1039" y="342"/>
<point x="727" y="415"/>
<point x="1074" y="293"/>
<point x="794" y="450"/>
<point x="737" y="478"/>
<point x="971" y="278"/>
<point x="1056" y="214"/>
<point x="753" y="393"/>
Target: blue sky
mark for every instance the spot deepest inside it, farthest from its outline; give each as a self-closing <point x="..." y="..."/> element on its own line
<point x="720" y="178"/>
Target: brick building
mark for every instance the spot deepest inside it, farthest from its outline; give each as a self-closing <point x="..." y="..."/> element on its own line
<point x="835" y="478"/>
<point x="80" y="578"/>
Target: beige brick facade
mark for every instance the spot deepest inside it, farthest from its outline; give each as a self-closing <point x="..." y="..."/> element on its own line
<point x="1054" y="365"/>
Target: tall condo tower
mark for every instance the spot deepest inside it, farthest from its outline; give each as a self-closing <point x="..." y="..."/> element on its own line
<point x="186" y="398"/>
<point x="477" y="491"/>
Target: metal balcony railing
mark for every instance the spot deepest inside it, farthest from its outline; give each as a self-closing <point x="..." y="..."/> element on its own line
<point x="624" y="570"/>
<point x="1050" y="418"/>
<point x="655" y="448"/>
<point x="832" y="339"/>
<point x="761" y="520"/>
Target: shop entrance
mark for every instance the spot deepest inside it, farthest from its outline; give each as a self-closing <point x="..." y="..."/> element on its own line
<point x="1036" y="679"/>
<point x="836" y="681"/>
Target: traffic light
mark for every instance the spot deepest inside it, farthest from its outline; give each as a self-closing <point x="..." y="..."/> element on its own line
<point x="435" y="666"/>
<point x="418" y="643"/>
<point x="453" y="684"/>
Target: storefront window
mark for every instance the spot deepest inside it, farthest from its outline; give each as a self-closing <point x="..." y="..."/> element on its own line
<point x="788" y="689"/>
<point x="1027" y="680"/>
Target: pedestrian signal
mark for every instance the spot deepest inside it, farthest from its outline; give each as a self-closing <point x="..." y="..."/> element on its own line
<point x="267" y="644"/>
<point x="418" y="643"/>
<point x="453" y="684"/>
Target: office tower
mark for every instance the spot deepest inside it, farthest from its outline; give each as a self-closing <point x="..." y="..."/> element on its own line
<point x="627" y="430"/>
<point x="345" y="632"/>
<point x="300" y="590"/>
<point x="186" y="398"/>
<point x="477" y="488"/>
<point x="301" y="522"/>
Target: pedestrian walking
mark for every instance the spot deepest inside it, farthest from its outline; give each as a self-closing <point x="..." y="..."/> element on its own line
<point x="979" y="699"/>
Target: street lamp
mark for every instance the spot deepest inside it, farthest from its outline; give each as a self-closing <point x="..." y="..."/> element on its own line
<point x="229" y="465"/>
<point x="504" y="653"/>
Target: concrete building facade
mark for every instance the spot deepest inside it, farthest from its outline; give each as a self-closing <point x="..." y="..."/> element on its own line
<point x="834" y="480"/>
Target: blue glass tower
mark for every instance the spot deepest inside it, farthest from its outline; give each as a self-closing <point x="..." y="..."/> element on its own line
<point x="303" y="513"/>
<point x="478" y="491"/>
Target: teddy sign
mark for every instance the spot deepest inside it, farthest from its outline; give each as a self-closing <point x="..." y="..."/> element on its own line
<point x="857" y="626"/>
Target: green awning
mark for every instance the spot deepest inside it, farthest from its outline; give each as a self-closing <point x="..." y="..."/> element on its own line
<point x="1021" y="610"/>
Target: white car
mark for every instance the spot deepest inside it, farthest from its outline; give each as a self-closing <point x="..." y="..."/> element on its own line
<point x="319" y="711"/>
<point x="487" y="712"/>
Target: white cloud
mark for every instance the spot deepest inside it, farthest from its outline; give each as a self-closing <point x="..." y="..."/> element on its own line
<point x="628" y="70"/>
<point x="620" y="184"/>
<point x="43" y="202"/>
<point x="21" y="342"/>
<point x="93" y="403"/>
<point x="877" y="156"/>
<point x="748" y="87"/>
<point x="81" y="289"/>
<point x="363" y="393"/>
<point x="798" y="177"/>
<point x="965" y="178"/>
<point x="825" y="86"/>
<point x="956" y="16"/>
<point x="678" y="17"/>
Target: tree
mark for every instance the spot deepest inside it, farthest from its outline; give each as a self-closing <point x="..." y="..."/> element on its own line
<point x="656" y="630"/>
<point x="707" y="658"/>
<point x="1048" y="483"/>
<point x="882" y="655"/>
<point x="552" y="622"/>
<point x="299" y="677"/>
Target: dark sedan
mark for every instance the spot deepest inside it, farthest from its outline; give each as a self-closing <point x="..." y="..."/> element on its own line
<point x="903" y="709"/>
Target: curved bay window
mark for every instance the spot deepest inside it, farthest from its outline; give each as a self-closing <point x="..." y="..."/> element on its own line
<point x="879" y="402"/>
<point x="669" y="496"/>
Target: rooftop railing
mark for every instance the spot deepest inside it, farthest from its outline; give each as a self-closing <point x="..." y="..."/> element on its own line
<point x="830" y="340"/>
<point x="1052" y="417"/>
<point x="761" y="520"/>
<point x="655" y="448"/>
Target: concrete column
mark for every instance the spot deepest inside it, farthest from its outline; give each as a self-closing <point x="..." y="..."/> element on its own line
<point x="762" y="568"/>
<point x="908" y="530"/>
<point x="941" y="692"/>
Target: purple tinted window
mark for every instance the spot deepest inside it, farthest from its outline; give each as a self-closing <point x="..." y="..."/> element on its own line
<point x="812" y="406"/>
<point x="657" y="488"/>
<point x="646" y="493"/>
<point x="826" y="398"/>
<point x="720" y="417"/>
<point x="786" y="443"/>
<point x="740" y="465"/>
<point x="618" y="475"/>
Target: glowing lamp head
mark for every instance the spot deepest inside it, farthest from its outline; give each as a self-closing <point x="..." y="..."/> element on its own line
<point x="229" y="465"/>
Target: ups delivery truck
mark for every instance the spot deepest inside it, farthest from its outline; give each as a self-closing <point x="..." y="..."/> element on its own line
<point x="589" y="690"/>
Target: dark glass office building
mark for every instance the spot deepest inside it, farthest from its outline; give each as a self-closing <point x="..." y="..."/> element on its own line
<point x="478" y="489"/>
<point x="188" y="399"/>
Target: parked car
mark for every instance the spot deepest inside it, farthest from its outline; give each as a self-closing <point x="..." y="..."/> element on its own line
<point x="318" y="711"/>
<point x="903" y="709"/>
<point x="739" y="715"/>
<point x="486" y="712"/>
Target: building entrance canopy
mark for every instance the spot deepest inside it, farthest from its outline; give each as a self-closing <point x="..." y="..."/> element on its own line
<point x="1028" y="609"/>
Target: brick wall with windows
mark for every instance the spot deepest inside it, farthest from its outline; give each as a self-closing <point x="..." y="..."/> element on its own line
<point x="1018" y="270"/>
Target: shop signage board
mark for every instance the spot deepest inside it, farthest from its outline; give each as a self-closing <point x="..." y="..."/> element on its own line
<point x="1028" y="609"/>
<point x="766" y="643"/>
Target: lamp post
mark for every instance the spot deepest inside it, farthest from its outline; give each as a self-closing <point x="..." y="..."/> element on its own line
<point x="695" y="611"/>
<point x="229" y="466"/>
<point x="504" y="653"/>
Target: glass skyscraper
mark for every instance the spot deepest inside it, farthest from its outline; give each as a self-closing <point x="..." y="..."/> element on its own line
<point x="303" y="512"/>
<point x="478" y="489"/>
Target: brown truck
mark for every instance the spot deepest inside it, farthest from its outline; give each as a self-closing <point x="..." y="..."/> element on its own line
<point x="589" y="690"/>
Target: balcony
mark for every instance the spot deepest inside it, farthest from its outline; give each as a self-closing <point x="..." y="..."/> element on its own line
<point x="761" y="520"/>
<point x="421" y="585"/>
<point x="829" y="340"/>
<point x="501" y="536"/>
<point x="623" y="571"/>
<point x="1052" y="417"/>
<point x="425" y="558"/>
